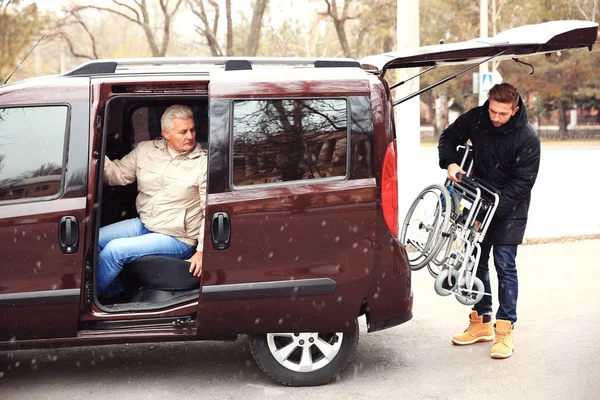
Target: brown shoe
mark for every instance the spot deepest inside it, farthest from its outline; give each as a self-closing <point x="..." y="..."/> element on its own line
<point x="478" y="331"/>
<point x="504" y="345"/>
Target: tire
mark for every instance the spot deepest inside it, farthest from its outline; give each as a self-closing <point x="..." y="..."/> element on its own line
<point x="441" y="282"/>
<point x="300" y="362"/>
<point x="432" y="226"/>
<point x="449" y="255"/>
<point x="469" y="299"/>
<point x="433" y="268"/>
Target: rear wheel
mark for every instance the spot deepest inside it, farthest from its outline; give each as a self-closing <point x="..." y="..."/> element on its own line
<point x="427" y="219"/>
<point x="304" y="359"/>
<point x="450" y="245"/>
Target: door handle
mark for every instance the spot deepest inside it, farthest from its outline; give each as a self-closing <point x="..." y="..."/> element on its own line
<point x="221" y="230"/>
<point x="68" y="234"/>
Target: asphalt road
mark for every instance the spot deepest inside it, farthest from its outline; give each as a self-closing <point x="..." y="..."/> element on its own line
<point x="557" y="354"/>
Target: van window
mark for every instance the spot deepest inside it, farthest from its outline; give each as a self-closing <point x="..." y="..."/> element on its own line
<point x="32" y="141"/>
<point x="289" y="140"/>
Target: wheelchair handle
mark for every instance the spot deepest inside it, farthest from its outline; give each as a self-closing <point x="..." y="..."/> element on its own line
<point x="471" y="182"/>
<point x="464" y="178"/>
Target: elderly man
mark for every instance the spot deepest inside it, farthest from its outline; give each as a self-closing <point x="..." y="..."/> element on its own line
<point x="171" y="178"/>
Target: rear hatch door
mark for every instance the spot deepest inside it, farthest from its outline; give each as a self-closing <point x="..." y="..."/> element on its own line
<point x="525" y="40"/>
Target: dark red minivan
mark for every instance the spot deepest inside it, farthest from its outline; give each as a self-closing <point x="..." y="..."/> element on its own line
<point x="301" y="212"/>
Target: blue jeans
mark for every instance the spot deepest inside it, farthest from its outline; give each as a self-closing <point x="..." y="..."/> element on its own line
<point x="125" y="241"/>
<point x="508" y="284"/>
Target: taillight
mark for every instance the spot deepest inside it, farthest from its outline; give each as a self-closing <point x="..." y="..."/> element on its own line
<point x="389" y="189"/>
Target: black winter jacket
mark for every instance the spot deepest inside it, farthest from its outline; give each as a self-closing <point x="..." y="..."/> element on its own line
<point x="508" y="158"/>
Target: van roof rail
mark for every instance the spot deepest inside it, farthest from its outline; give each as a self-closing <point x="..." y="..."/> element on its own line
<point x="110" y="66"/>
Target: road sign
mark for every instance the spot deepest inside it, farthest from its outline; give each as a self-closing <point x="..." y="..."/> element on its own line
<point x="487" y="81"/>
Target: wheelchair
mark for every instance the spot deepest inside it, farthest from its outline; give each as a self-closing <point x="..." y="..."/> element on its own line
<point x="444" y="228"/>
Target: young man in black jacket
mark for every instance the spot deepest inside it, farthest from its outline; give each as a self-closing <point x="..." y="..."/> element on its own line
<point x="506" y="155"/>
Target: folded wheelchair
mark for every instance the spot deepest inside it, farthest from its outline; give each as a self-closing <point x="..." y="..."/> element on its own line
<point x="444" y="228"/>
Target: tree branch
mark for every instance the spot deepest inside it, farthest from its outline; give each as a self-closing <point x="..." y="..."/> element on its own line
<point x="5" y="3"/>
<point x="133" y="10"/>
<point x="215" y="6"/>
<point x="110" y="10"/>
<point x="166" y="26"/>
<point x="207" y="30"/>
<point x="144" y="10"/>
<point x="338" y="23"/>
<point x="591" y="15"/>
<point x="164" y="5"/>
<point x="229" y="35"/>
<point x="255" y="25"/>
<point x="72" y="48"/>
<point x="89" y="33"/>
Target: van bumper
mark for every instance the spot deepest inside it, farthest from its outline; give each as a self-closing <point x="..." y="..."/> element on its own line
<point x="389" y="323"/>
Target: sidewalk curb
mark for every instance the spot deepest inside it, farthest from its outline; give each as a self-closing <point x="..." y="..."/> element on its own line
<point x="560" y="239"/>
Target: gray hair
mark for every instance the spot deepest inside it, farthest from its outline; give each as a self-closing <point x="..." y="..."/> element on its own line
<point x="175" y="111"/>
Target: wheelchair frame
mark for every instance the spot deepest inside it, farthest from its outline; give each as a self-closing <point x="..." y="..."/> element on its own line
<point x="452" y="246"/>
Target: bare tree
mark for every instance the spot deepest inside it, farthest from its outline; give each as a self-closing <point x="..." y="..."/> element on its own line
<point x="73" y="17"/>
<point x="494" y="15"/>
<point x="209" y="28"/>
<point x="375" y="27"/>
<point x="588" y="9"/>
<point x="258" y="11"/>
<point x="209" y="14"/>
<point x="139" y="14"/>
<point x="339" y="21"/>
<point x="363" y="27"/>
<point x="18" y="27"/>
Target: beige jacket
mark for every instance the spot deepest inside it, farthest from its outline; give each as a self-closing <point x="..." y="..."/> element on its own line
<point x="171" y="191"/>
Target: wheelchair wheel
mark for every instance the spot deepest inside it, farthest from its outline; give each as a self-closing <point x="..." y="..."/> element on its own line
<point x="434" y="269"/>
<point x="441" y="285"/>
<point x="439" y="262"/>
<point x="427" y="219"/>
<point x="473" y="296"/>
<point x="450" y="245"/>
<point x="449" y="256"/>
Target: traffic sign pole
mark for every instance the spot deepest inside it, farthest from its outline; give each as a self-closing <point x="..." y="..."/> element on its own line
<point x="483" y="32"/>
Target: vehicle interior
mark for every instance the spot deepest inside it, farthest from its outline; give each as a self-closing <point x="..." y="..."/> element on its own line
<point x="149" y="282"/>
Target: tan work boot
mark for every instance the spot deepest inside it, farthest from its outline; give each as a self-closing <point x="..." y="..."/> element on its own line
<point x="504" y="345"/>
<point x="478" y="331"/>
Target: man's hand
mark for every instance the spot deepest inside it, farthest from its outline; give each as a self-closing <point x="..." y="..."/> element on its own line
<point x="477" y="225"/>
<point x="454" y="169"/>
<point x="196" y="264"/>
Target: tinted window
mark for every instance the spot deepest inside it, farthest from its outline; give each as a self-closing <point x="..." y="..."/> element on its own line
<point x="32" y="141"/>
<point x="289" y="140"/>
